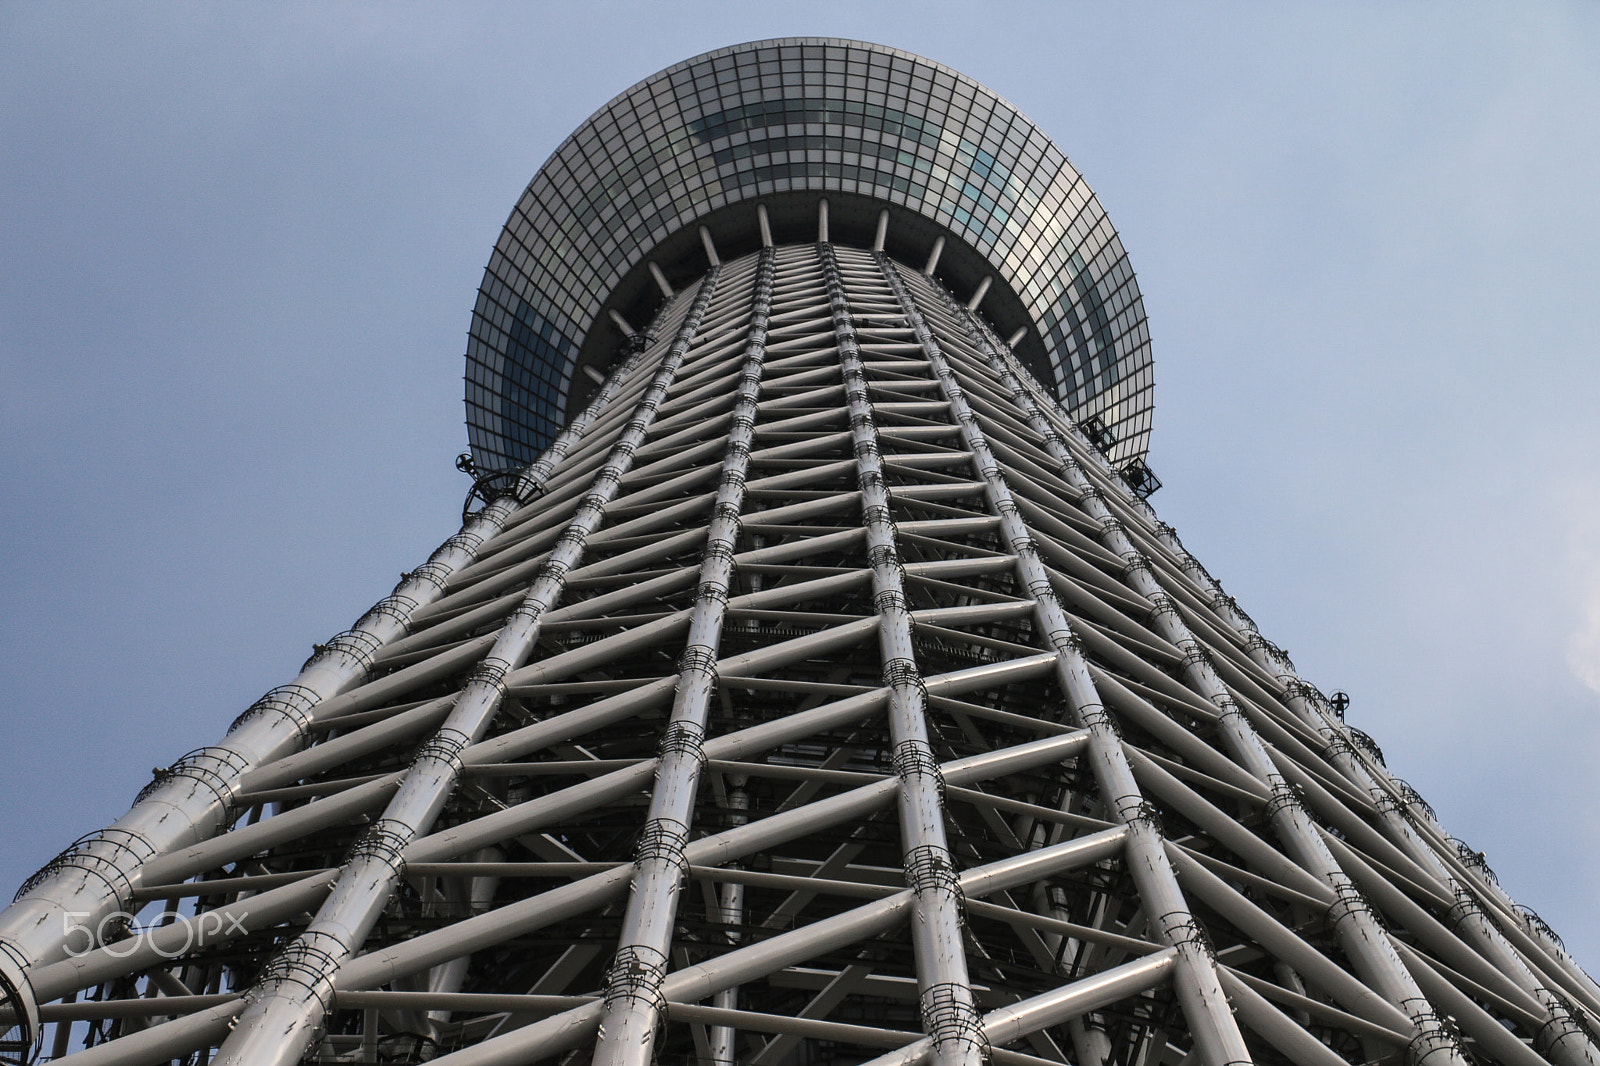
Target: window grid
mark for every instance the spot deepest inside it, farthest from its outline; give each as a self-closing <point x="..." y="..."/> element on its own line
<point x="748" y="121"/>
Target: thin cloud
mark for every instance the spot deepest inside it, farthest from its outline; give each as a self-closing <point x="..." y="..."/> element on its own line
<point x="1583" y="646"/>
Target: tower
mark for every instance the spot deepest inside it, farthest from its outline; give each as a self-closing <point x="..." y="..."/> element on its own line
<point x="808" y="686"/>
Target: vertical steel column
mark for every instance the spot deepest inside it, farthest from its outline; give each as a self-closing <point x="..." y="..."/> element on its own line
<point x="949" y="1013"/>
<point x="283" y="1013"/>
<point x="722" y="1038"/>
<point x="634" y="1006"/>
<point x="1363" y="938"/>
<point x="1217" y="1037"/>
<point x="96" y="876"/>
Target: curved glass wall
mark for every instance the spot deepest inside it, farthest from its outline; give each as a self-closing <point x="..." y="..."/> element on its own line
<point x="769" y="119"/>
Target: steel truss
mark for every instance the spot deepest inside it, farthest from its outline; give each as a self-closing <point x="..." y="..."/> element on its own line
<point x="821" y="695"/>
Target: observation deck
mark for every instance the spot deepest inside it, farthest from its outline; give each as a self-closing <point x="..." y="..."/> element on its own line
<point x="613" y="220"/>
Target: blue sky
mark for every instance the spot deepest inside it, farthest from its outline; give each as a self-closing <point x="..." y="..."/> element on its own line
<point x="242" y="243"/>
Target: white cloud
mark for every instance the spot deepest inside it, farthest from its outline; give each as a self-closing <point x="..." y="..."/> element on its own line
<point x="1583" y="646"/>
<point x="1583" y="652"/>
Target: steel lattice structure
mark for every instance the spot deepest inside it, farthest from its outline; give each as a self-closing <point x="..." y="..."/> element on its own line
<point x="822" y="693"/>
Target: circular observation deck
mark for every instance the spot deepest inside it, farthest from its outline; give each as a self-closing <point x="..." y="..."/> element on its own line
<point x="784" y="124"/>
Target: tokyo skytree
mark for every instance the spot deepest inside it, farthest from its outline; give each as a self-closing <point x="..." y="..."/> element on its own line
<point x="810" y="681"/>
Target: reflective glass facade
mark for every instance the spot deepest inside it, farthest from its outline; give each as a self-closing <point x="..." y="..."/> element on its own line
<point x="767" y="119"/>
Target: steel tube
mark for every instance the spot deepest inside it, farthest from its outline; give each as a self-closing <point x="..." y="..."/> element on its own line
<point x="631" y="1012"/>
<point x="381" y="966"/>
<point x="1479" y="1023"/>
<point x="1198" y="988"/>
<point x="948" y="1010"/>
<point x="694" y="983"/>
<point x="1006" y="1024"/>
<point x="1277" y="1028"/>
<point x="1285" y="944"/>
